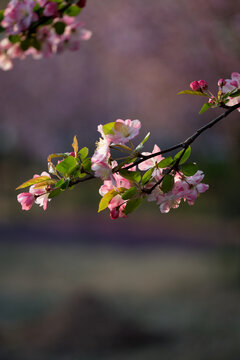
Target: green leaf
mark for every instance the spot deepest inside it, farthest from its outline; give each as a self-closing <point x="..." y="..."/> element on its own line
<point x="35" y="43"/>
<point x="167" y="183"/>
<point x="36" y="7"/>
<point x="65" y="185"/>
<point x="73" y="10"/>
<point x="54" y="193"/>
<point x="87" y="164"/>
<point x="14" y="39"/>
<point x="25" y="44"/>
<point x="106" y="199"/>
<point x="1" y="15"/>
<point x="66" y="166"/>
<point x="235" y="94"/>
<point x="108" y="128"/>
<point x="129" y="193"/>
<point x="83" y="153"/>
<point x="185" y="156"/>
<point x="33" y="181"/>
<point x="191" y="92"/>
<point x="165" y="162"/>
<point x="204" y="108"/>
<point x="189" y="169"/>
<point x="132" y="205"/>
<point x="140" y="146"/>
<point x="59" y="27"/>
<point x="2" y="29"/>
<point x="130" y="175"/>
<point x="147" y="176"/>
<point x="60" y="183"/>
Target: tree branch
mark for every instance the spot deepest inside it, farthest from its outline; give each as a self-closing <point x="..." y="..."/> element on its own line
<point x="186" y="142"/>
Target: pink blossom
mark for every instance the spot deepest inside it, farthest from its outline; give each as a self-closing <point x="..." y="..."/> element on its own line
<point x="195" y="85"/>
<point x="124" y="130"/>
<point x="26" y="200"/>
<point x="19" y="15"/>
<point x="51" y="9"/>
<point x="231" y="85"/>
<point x="116" y="207"/>
<point x="42" y="200"/>
<point x="148" y="164"/>
<point x="103" y="170"/>
<point x="203" y="84"/>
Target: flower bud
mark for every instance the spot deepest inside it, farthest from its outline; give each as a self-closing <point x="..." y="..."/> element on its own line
<point x="81" y="3"/>
<point x="195" y="86"/>
<point x="203" y="84"/>
<point x="221" y="82"/>
<point x="114" y="213"/>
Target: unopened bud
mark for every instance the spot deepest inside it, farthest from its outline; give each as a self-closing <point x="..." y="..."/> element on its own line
<point x="221" y="82"/>
<point x="195" y="86"/>
<point x="203" y="84"/>
<point x="114" y="213"/>
<point x="81" y="3"/>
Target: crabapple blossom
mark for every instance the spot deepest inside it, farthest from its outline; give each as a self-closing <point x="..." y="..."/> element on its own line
<point x="26" y="200"/>
<point x="18" y="16"/>
<point x="39" y="28"/>
<point x="124" y="130"/>
<point x="132" y="176"/>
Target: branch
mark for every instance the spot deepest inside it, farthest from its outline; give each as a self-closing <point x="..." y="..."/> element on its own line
<point x="186" y="142"/>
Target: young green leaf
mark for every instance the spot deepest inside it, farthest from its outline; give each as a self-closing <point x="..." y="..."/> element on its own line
<point x="235" y="94"/>
<point x="66" y="166"/>
<point x="167" y="183"/>
<point x="129" y="193"/>
<point x="132" y="205"/>
<point x="59" y="27"/>
<point x="14" y="39"/>
<point x="108" y="128"/>
<point x="191" y="92"/>
<point x="139" y="147"/>
<point x="33" y="181"/>
<point x="189" y="169"/>
<point x="87" y="164"/>
<point x="106" y="199"/>
<point x="73" y="10"/>
<point x="83" y="153"/>
<point x="54" y="193"/>
<point x="165" y="162"/>
<point x="204" y="108"/>
<point x="130" y="175"/>
<point x="184" y="158"/>
<point x="147" y="176"/>
<point x="1" y="15"/>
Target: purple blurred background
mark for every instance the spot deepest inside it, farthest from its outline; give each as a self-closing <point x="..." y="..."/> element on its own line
<point x="163" y="285"/>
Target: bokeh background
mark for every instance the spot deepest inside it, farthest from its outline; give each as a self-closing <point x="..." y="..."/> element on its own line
<point x="75" y="284"/>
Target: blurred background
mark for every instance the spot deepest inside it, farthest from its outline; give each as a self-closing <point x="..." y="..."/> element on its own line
<point x="75" y="284"/>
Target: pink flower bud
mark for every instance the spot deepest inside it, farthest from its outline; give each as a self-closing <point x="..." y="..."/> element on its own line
<point x="195" y="86"/>
<point x="221" y="82"/>
<point x="114" y="213"/>
<point x="203" y="84"/>
<point x="51" y="9"/>
<point x="81" y="3"/>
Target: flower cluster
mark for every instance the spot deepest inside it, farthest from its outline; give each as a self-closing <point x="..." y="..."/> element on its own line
<point x="128" y="173"/>
<point x="228" y="92"/>
<point x="39" y="28"/>
<point x="37" y="194"/>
